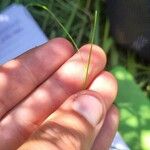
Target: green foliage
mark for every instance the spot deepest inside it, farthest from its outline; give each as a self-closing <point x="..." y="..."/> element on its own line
<point x="134" y="109"/>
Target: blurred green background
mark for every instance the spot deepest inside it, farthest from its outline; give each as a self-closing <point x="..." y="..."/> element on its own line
<point x="133" y="76"/>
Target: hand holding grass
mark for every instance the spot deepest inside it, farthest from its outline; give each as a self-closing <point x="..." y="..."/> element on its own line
<point x="35" y="84"/>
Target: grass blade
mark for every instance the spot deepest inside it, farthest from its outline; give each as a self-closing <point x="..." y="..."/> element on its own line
<point x="90" y="53"/>
<point x="56" y="19"/>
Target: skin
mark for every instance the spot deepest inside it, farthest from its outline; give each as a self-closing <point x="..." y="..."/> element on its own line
<point x="34" y="86"/>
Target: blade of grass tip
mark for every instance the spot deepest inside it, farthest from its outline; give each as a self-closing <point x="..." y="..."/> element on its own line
<point x="106" y="32"/>
<point x="98" y="32"/>
<point x="90" y="53"/>
<point x="56" y="19"/>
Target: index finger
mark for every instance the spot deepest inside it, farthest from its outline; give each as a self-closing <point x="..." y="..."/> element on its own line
<point x="22" y="75"/>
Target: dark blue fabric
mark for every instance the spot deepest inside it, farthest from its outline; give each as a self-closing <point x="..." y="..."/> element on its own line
<point x="130" y="24"/>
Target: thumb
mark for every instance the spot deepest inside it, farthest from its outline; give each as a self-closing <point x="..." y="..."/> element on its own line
<point x="72" y="126"/>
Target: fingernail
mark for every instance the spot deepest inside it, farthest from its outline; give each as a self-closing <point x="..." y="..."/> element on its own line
<point x="89" y="107"/>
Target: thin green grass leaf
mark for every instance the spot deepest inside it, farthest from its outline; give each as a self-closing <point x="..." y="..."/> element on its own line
<point x="90" y="53"/>
<point x="107" y="41"/>
<point x="98" y="27"/>
<point x="84" y="22"/>
<point x="71" y="18"/>
<point x="106" y="31"/>
<point x="56" y="19"/>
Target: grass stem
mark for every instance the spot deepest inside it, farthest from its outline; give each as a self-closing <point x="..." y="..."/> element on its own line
<point x="90" y="53"/>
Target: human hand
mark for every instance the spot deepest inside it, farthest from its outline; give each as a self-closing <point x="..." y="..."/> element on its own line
<point x="34" y="85"/>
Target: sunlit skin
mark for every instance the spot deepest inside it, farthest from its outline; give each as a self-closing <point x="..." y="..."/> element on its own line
<point x="35" y="84"/>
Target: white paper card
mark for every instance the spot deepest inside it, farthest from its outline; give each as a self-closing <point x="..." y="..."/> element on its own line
<point x="18" y="32"/>
<point x="118" y="143"/>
